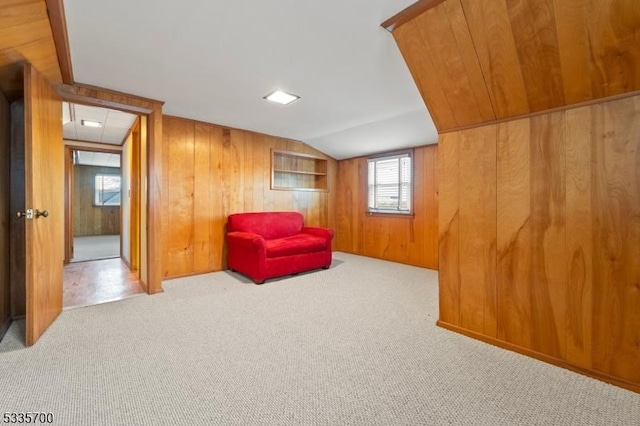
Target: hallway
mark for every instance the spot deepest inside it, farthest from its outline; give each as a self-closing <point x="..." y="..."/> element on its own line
<point x="98" y="281"/>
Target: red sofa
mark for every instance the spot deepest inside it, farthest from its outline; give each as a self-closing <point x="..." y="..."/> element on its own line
<point x="268" y="245"/>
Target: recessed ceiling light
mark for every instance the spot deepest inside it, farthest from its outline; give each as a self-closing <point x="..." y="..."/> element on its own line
<point x="89" y="123"/>
<point x="281" y="97"/>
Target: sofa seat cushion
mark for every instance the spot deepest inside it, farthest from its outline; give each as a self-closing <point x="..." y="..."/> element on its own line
<point x="295" y="244"/>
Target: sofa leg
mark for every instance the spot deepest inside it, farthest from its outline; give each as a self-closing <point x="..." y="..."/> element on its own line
<point x="259" y="281"/>
<point x="326" y="267"/>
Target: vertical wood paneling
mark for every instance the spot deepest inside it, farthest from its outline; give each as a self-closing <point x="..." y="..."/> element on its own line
<point x="346" y="238"/>
<point x="89" y="219"/>
<point x="26" y="36"/>
<point x="496" y="49"/>
<point x="410" y="240"/>
<point x="477" y="215"/>
<point x="217" y="219"/>
<point x="449" y="225"/>
<point x="534" y="30"/>
<point x="616" y="227"/>
<point x="548" y="195"/>
<point x="5" y="167"/>
<point x="514" y="232"/>
<point x="568" y="236"/>
<point x="467" y="52"/>
<point x="614" y="38"/>
<point x="211" y="172"/>
<point x="579" y="236"/>
<point x="235" y="168"/>
<point x="415" y="247"/>
<point x="451" y="74"/>
<point x="527" y="55"/>
<point x="260" y="168"/>
<point x="414" y="51"/>
<point x="202" y="203"/>
<point x="430" y="194"/>
<point x="573" y="43"/>
<point x="179" y="167"/>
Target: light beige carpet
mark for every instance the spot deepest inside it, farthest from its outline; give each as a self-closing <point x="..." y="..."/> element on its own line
<point x="352" y="345"/>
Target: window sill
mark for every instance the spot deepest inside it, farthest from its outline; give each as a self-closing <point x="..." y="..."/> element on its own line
<point x="396" y="215"/>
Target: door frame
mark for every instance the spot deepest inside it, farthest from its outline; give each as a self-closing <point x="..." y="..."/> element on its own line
<point x="69" y="176"/>
<point x="152" y="110"/>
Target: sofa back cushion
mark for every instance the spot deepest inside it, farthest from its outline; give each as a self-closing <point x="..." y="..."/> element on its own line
<point x="270" y="225"/>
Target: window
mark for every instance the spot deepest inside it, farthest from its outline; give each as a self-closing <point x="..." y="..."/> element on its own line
<point x="390" y="184"/>
<point x="107" y="190"/>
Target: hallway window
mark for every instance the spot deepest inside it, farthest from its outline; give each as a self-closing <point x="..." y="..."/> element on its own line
<point x="107" y="190"/>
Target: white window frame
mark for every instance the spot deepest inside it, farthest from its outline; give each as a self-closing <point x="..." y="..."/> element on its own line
<point x="372" y="204"/>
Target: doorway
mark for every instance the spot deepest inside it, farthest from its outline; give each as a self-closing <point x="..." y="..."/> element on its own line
<point x="96" y="201"/>
<point x="101" y="205"/>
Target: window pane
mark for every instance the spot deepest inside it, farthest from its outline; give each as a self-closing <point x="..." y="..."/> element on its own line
<point x="372" y="185"/>
<point x="389" y="184"/>
<point x="107" y="190"/>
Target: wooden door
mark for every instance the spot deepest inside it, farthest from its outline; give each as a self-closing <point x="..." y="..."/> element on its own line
<point x="44" y="195"/>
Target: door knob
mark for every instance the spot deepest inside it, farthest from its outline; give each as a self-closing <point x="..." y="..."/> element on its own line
<point x="28" y="214"/>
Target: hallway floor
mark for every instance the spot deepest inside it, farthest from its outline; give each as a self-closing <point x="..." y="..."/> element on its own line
<point x="98" y="281"/>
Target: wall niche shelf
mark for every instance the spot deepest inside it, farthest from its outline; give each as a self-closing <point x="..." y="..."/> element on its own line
<point x="295" y="171"/>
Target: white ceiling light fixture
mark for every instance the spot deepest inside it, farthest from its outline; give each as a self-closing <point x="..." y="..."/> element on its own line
<point x="281" y="97"/>
<point x="90" y="123"/>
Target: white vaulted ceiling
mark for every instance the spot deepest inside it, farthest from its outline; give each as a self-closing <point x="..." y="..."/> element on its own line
<point x="214" y="60"/>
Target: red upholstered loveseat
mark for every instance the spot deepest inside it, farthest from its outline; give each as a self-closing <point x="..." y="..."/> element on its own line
<point x="268" y="245"/>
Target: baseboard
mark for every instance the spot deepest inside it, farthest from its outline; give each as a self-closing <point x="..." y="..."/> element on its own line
<point x="190" y="274"/>
<point x="424" y="265"/>
<point x="126" y="262"/>
<point x="616" y="381"/>
<point x="5" y="327"/>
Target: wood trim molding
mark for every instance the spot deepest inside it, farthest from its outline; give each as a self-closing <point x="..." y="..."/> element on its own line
<point x="92" y="146"/>
<point x="634" y="387"/>
<point x="409" y="13"/>
<point x="68" y="205"/>
<point x="543" y="112"/>
<point x="96" y="96"/>
<point x="154" y="201"/>
<point x="384" y="153"/>
<point x="58" y="22"/>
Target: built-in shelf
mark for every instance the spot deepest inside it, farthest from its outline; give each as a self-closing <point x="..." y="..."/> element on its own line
<point x="296" y="171"/>
<point x="299" y="172"/>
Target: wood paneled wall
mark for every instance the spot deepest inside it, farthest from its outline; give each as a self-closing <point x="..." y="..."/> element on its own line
<point x="210" y="172"/>
<point x="410" y="240"/>
<point x="25" y="34"/>
<point x="540" y="237"/>
<point x="87" y="218"/>
<point x="5" y="156"/>
<point x="478" y="61"/>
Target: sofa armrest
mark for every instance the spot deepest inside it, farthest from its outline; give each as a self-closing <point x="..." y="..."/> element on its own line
<point x="325" y="233"/>
<point x="246" y="240"/>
